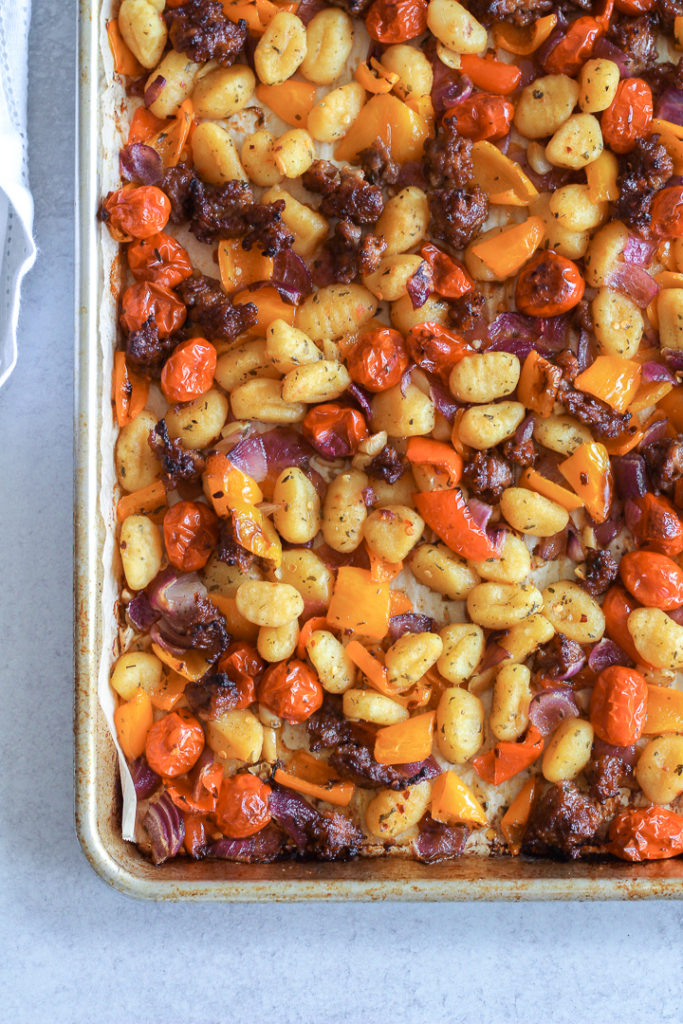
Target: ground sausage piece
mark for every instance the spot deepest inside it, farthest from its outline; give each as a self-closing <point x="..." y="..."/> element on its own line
<point x="457" y="214"/>
<point x="179" y="463"/>
<point x="522" y="453"/>
<point x="211" y="309"/>
<point x="605" y="775"/>
<point x="265" y="229"/>
<point x="664" y="460"/>
<point x="217" y="211"/>
<point x="176" y="184"/>
<point x="146" y="351"/>
<point x="466" y="312"/>
<point x="603" y="420"/>
<point x="569" y="365"/>
<point x="637" y="38"/>
<point x="346" y="194"/>
<point x="601" y="571"/>
<point x="356" y="8"/>
<point x="377" y="165"/>
<point x="447" y="159"/>
<point x="561" y="822"/>
<point x="200" y="29"/>
<point x="641" y="172"/>
<point x="556" y="658"/>
<point x="346" y="254"/>
<point x="519" y="12"/>
<point x="487" y="475"/>
<point x="333" y="836"/>
<point x="437" y="841"/>
<point x="667" y="11"/>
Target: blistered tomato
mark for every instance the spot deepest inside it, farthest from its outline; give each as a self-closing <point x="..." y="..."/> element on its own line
<point x="334" y="430"/>
<point x="548" y="285"/>
<point x="136" y="212"/>
<point x="482" y="116"/>
<point x="652" y="833"/>
<point x="573" y="48"/>
<point x="243" y="806"/>
<point x="174" y="743"/>
<point x="628" y="117"/>
<point x="147" y="300"/>
<point x="188" y="372"/>
<point x="667" y="212"/>
<point x="616" y="608"/>
<point x="378" y="360"/>
<point x="654" y="579"/>
<point x="449" y="277"/>
<point x="291" y="690"/>
<point x="655" y="522"/>
<point x="190" y="534"/>
<point x="395" y="21"/>
<point x="619" y="705"/>
<point x="436" y="349"/>
<point x="160" y="259"/>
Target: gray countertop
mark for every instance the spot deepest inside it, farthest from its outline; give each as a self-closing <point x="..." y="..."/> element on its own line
<point x="75" y="951"/>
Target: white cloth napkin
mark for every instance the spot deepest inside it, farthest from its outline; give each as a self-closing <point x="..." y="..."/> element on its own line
<point x="17" y="248"/>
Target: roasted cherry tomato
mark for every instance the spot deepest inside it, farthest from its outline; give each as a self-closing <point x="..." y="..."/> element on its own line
<point x="619" y="705"/>
<point x="651" y="833"/>
<point x="334" y="430"/>
<point x="198" y="795"/>
<point x="243" y="667"/>
<point x="435" y="349"/>
<point x="573" y="48"/>
<point x="136" y="212"/>
<point x="147" y="300"/>
<point x="291" y="690"/>
<point x="188" y="371"/>
<point x="174" y="744"/>
<point x="667" y="212"/>
<point x="243" y="806"/>
<point x="449" y="277"/>
<point x="482" y="116"/>
<point x="160" y="259"/>
<point x="655" y="522"/>
<point x="617" y="607"/>
<point x="378" y="360"/>
<point x="628" y="116"/>
<point x="190" y="534"/>
<point x="548" y="285"/>
<point x="654" y="579"/>
<point x="395" y="21"/>
<point x="195" y="841"/>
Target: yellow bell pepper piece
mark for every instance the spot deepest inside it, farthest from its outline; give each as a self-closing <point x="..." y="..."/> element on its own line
<point x="507" y="252"/>
<point x="239" y="268"/>
<point x="534" y="481"/>
<point x="589" y="472"/>
<point x="612" y="379"/>
<point x="192" y="665"/>
<point x="664" y="710"/>
<point x="499" y="176"/>
<point x="133" y="720"/>
<point x="389" y="119"/>
<point x="454" y="802"/>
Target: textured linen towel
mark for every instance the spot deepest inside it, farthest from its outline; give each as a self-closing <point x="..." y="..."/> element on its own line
<point x="17" y="249"/>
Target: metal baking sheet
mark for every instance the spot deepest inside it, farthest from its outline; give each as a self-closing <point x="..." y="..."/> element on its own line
<point x="98" y="801"/>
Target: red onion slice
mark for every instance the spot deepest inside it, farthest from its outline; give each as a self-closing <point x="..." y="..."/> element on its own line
<point x="494" y="653"/>
<point x="174" y="594"/>
<point x="361" y="398"/>
<point x="635" y="282"/>
<point x="520" y="334"/>
<point x="550" y="707"/>
<point x="138" y="162"/>
<point x="627" y="755"/>
<point x="670" y="106"/>
<point x="153" y="90"/>
<point x="141" y="613"/>
<point x="291" y="276"/>
<point x="550" y="548"/>
<point x="437" y="841"/>
<point x="604" y="48"/>
<point x="166" y="829"/>
<point x="294" y="815"/>
<point x="654" y="372"/>
<point x="285" y="448"/>
<point x="655" y="432"/>
<point x="427" y="769"/>
<point x="419" y="285"/>
<point x="145" y="780"/>
<point x="262" y="848"/>
<point x="630" y="475"/>
<point x="410" y="622"/>
<point x="444" y="401"/>
<point x="639" y="251"/>
<point x="480" y="512"/>
<point x="673" y="357"/>
<point x="249" y="455"/>
<point x="606" y="653"/>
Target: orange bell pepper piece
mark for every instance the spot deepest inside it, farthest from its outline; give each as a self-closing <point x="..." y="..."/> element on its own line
<point x="359" y="603"/>
<point x="538" y="385"/>
<point x="589" y="472"/>
<point x="672" y="406"/>
<point x="202" y="796"/>
<point x="130" y="391"/>
<point x="269" y="307"/>
<point x="612" y="379"/>
<point x="148" y="501"/>
<point x="171" y="141"/>
<point x="450" y="518"/>
<point x="436" y="453"/>
<point x="143" y="126"/>
<point x="381" y="570"/>
<point x="256" y="533"/>
<point x="505" y="253"/>
<point x="509" y="759"/>
<point x="373" y="669"/>
<point x="490" y="74"/>
<point x="374" y="77"/>
<point x="309" y="627"/>
<point x="238" y="627"/>
<point x="407" y="741"/>
<point x="523" y="40"/>
<point x="664" y="710"/>
<point x="389" y="119"/>
<point x="124" y="61"/>
<point x="240" y="267"/>
<point x="227" y="486"/>
<point x="257" y="13"/>
<point x="169" y="693"/>
<point x="650" y="393"/>
<point x="514" y="821"/>
<point x="338" y="793"/>
<point x="192" y="665"/>
<point x="292" y="101"/>
<point x="625" y="442"/>
<point x="399" y="603"/>
<point x="535" y="482"/>
<point x="454" y="802"/>
<point x="133" y="720"/>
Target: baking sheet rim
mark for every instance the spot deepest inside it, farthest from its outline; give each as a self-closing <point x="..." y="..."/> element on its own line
<point x="119" y="863"/>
